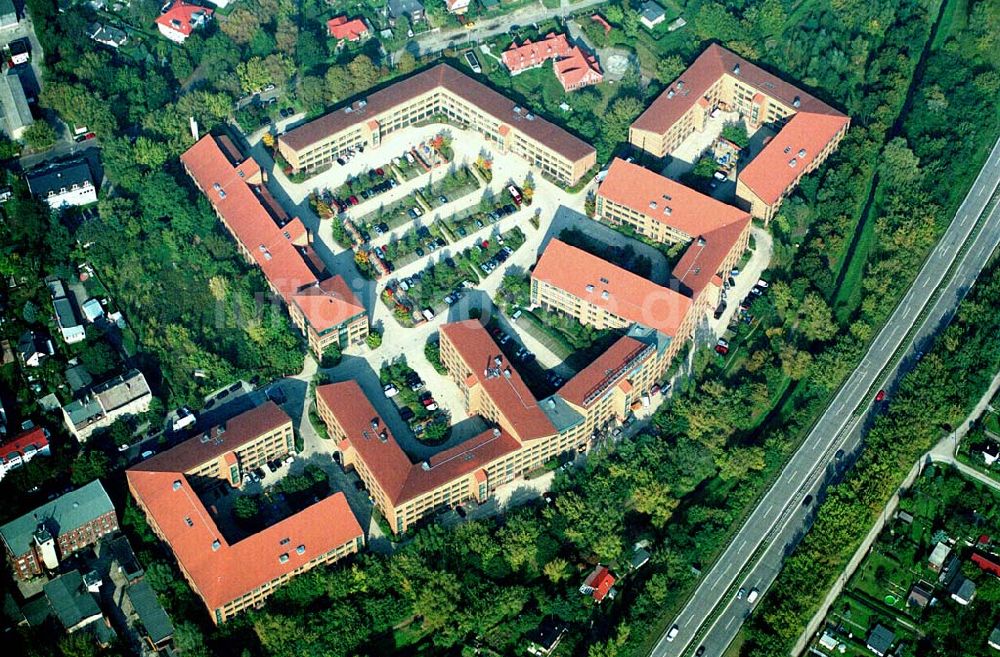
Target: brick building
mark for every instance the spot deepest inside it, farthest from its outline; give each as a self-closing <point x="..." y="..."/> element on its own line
<point x="439" y="93"/>
<point x="321" y="306"/>
<point x="41" y="539"/>
<point x="808" y="129"/>
<point x="231" y="574"/>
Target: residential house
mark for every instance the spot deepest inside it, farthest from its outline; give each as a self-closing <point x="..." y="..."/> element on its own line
<point x="69" y="326"/>
<point x="919" y="596"/>
<point x="810" y="130"/>
<point x="457" y="7"/>
<point x="938" y="556"/>
<point x="952" y="566"/>
<point x="545" y="639"/>
<point x="33" y="348"/>
<point x="639" y="558"/>
<point x="140" y="604"/>
<point x="994" y="640"/>
<point x="71" y="602"/>
<point x="107" y="35"/>
<point x="880" y="640"/>
<point x="8" y="14"/>
<point x="230" y="574"/>
<point x="124" y="395"/>
<point x="64" y="184"/>
<point x="651" y="14"/>
<point x="577" y="69"/>
<point x="14" y="102"/>
<point x="963" y="590"/>
<point x="445" y="91"/>
<point x="991" y="451"/>
<point x="92" y="310"/>
<point x="40" y="539"/>
<point x="180" y="19"/>
<point x="410" y="9"/>
<point x="323" y="307"/>
<point x="988" y="563"/>
<point x="20" y="51"/>
<point x="352" y="30"/>
<point x="532" y="54"/>
<point x="23" y="447"/>
<point x="599" y="584"/>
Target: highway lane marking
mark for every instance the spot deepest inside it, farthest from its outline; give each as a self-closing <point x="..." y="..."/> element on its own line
<point x="744" y="543"/>
<point x="731" y="619"/>
<point x="791" y="476"/>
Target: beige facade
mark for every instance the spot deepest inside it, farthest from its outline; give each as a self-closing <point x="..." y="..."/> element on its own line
<point x="457" y="100"/>
<point x="352" y="331"/>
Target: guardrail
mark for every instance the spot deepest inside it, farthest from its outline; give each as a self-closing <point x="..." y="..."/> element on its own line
<point x="878" y="383"/>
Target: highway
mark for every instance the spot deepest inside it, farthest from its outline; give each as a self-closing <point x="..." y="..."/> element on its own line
<point x="713" y="615"/>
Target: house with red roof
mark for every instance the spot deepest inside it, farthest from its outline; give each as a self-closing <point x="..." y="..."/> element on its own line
<point x="16" y="451"/>
<point x="342" y="29"/>
<point x="577" y="69"/>
<point x="323" y="307"/>
<point x="457" y="7"/>
<point x="532" y="54"/>
<point x="599" y="584"/>
<point x="180" y="19"/>
<point x="809" y="130"/>
<point x="231" y="571"/>
<point x="988" y="563"/>
<point x="664" y="210"/>
<point x="598" y="293"/>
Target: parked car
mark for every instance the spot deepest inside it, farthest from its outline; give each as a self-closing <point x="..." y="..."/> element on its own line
<point x="406" y="413"/>
<point x="880" y="396"/>
<point x="722" y="351"/>
<point x="761" y="283"/>
<point x="442" y="199"/>
<point x="390" y="390"/>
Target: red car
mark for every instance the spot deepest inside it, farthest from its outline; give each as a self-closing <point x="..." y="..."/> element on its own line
<point x="721" y="350"/>
<point x="380" y="171"/>
<point x="880" y="396"/>
<point x="89" y="135"/>
<point x="353" y="200"/>
<point x="428" y="402"/>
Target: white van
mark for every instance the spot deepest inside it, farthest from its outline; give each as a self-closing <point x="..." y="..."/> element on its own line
<point x="672" y="634"/>
<point x="752" y="598"/>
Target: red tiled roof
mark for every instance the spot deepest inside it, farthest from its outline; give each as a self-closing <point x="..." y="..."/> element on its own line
<point x="230" y="571"/>
<point x="530" y="54"/>
<point x="577" y="67"/>
<point x="987" y="563"/>
<point x="790" y="152"/>
<point x="179" y="17"/>
<point x="609" y="368"/>
<point x="223" y="440"/>
<point x="399" y="477"/>
<point x="601" y="580"/>
<point x="628" y="296"/>
<point x="508" y="391"/>
<point x="441" y="76"/>
<point x="341" y="28"/>
<point x="328" y="304"/>
<point x="705" y="255"/>
<point x="710" y="66"/>
<point x="244" y="208"/>
<point x="18" y="444"/>
<point x="690" y="211"/>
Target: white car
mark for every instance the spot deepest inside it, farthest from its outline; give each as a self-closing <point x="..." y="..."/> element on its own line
<point x="390" y="390"/>
<point x="672" y="634"/>
<point x="761" y="283"/>
<point x="752" y="598"/>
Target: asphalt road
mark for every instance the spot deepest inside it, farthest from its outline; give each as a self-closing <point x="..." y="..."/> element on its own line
<point x="713" y="616"/>
<point x="436" y="41"/>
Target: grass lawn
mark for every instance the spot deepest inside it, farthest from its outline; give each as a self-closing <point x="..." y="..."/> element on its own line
<point x="992" y="422"/>
<point x="847" y="297"/>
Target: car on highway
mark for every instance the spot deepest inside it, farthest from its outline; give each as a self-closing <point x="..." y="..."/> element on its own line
<point x="807" y="500"/>
<point x="700" y="651"/>
<point x="741" y="594"/>
<point x="672" y="634"/>
<point x="880" y="396"/>
<point x="752" y="596"/>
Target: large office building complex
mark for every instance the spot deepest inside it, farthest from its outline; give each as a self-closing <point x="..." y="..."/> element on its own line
<point x="40" y="539"/>
<point x="229" y="574"/>
<point x="523" y="432"/>
<point x="321" y="306"/>
<point x="439" y="93"/>
<point x="808" y="129"/>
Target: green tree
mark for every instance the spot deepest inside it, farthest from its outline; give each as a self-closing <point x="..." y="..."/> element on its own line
<point x="246" y="507"/>
<point x="40" y="136"/>
<point x="90" y="465"/>
<point x="407" y="62"/>
<point x="619" y="117"/>
<point x="669" y="67"/>
<point x="253" y="75"/>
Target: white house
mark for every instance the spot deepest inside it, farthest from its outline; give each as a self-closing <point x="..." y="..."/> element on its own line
<point x="70" y="327"/>
<point x="62" y="185"/>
